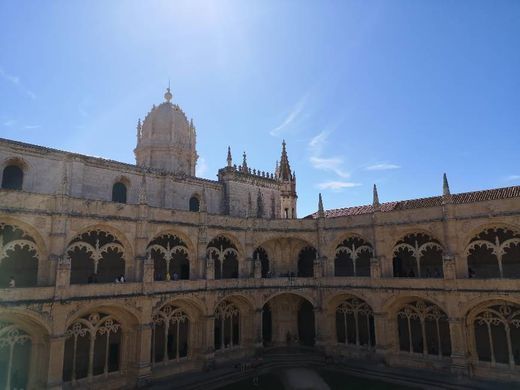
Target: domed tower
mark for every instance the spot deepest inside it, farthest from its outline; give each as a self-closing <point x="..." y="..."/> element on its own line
<point x="166" y="139"/>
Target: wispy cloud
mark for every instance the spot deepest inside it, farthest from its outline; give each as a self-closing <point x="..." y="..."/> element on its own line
<point x="332" y="164"/>
<point x="29" y="127"/>
<point x="337" y="185"/>
<point x="513" y="178"/>
<point x="382" y="167"/>
<point x="292" y="117"/>
<point x="201" y="167"/>
<point x="9" y="122"/>
<point x="15" y="81"/>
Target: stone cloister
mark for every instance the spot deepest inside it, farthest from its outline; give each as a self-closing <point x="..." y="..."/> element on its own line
<point x="247" y="285"/>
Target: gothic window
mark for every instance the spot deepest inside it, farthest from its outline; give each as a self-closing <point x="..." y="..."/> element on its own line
<point x="18" y="257"/>
<point x="119" y="192"/>
<point x="355" y="323"/>
<point x="418" y="256"/>
<point x="15" y="353"/>
<point x="225" y="257"/>
<point x="170" y="330"/>
<point x="170" y="258"/>
<point x="194" y="203"/>
<point x="306" y="262"/>
<point x="261" y="254"/>
<point x="494" y="253"/>
<point x="497" y="334"/>
<point x="92" y="347"/>
<point x="12" y="177"/>
<point x="227" y="326"/>
<point x="95" y="256"/>
<point x="423" y="329"/>
<point x="353" y="258"/>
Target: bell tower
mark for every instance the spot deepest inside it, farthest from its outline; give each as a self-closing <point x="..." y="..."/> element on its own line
<point x="287" y="180"/>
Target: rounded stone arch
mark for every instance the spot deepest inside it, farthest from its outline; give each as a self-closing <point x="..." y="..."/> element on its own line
<point x="175" y="232"/>
<point x="194" y="307"/>
<point x="243" y="301"/>
<point x="31" y="231"/>
<point x="20" y="162"/>
<point x="336" y="298"/>
<point x="488" y="340"/>
<point x="338" y="238"/>
<point x="128" y="269"/>
<point x="395" y="302"/>
<point x="302" y="295"/>
<point x="481" y="227"/>
<point x="233" y="321"/>
<point x="128" y="316"/>
<point x="30" y="264"/>
<point x="344" y="263"/>
<point x="414" y="267"/>
<point x="231" y="237"/>
<point x="267" y="237"/>
<point x="194" y="202"/>
<point x="32" y="356"/>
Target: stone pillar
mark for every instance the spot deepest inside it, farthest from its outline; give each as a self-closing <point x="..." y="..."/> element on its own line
<point x="386" y="266"/>
<point x="459" y="356"/>
<point x="257" y="268"/>
<point x="210" y="268"/>
<point x="62" y="271"/>
<point x="386" y="332"/>
<point x="320" y="326"/>
<point x="144" y="368"/>
<point x="318" y="268"/>
<point x="448" y="267"/>
<point x="258" y="323"/>
<point x="55" y="356"/>
<point x="209" y="340"/>
<point x="375" y="268"/>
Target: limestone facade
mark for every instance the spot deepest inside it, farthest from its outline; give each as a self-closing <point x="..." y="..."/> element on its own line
<point x="426" y="283"/>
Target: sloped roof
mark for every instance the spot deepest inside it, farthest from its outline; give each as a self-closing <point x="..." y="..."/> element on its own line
<point x="434" y="201"/>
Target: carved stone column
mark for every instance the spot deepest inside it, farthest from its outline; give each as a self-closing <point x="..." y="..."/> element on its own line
<point x="459" y="357"/>
<point x="209" y="338"/>
<point x="318" y="269"/>
<point x="210" y="268"/>
<point x="320" y="326"/>
<point x="55" y="367"/>
<point x="258" y="324"/>
<point x="144" y="368"/>
<point x="62" y="271"/>
<point x="386" y="333"/>
<point x="257" y="268"/>
<point x="375" y="268"/>
<point x="448" y="267"/>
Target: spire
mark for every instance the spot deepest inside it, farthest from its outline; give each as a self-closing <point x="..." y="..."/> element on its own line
<point x="321" y="211"/>
<point x="244" y="163"/>
<point x="168" y="95"/>
<point x="445" y="186"/>
<point x="284" y="168"/>
<point x="375" y="201"/>
<point x="139" y="129"/>
<point x="229" y="158"/>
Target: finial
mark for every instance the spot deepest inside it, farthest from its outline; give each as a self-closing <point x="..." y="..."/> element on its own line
<point x="244" y="162"/>
<point x="139" y="127"/>
<point x="375" y="200"/>
<point x="229" y="158"/>
<point x="168" y="95"/>
<point x="445" y="186"/>
<point x="321" y="211"/>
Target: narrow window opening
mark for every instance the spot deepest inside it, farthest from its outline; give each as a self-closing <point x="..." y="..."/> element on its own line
<point x="12" y="178"/>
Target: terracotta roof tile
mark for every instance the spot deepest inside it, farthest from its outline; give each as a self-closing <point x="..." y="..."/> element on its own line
<point x="434" y="201"/>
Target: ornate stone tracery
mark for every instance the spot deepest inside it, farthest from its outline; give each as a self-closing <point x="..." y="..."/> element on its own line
<point x="418" y="255"/>
<point x="83" y="340"/>
<point x="491" y="251"/>
<point x="355" y="323"/>
<point x="227" y="326"/>
<point x="423" y="328"/>
<point x="11" y="337"/>
<point x="224" y="255"/>
<point x="497" y="334"/>
<point x="353" y="258"/>
<point x="171" y="257"/>
<point x="170" y="334"/>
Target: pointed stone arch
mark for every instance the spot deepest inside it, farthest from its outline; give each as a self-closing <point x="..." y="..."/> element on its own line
<point x="418" y="255"/>
<point x="352" y="257"/>
<point x="171" y="257"/>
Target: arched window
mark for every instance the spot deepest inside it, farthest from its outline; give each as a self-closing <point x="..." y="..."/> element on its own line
<point x="119" y="192"/>
<point x="494" y="253"/>
<point x="261" y="254"/>
<point x="225" y="257"/>
<point x="353" y="258"/>
<point x="12" y="177"/>
<point x="497" y="334"/>
<point x="15" y="353"/>
<point x="227" y="326"/>
<point x="306" y="262"/>
<point x="355" y="323"/>
<point x="424" y="329"/>
<point x="170" y="258"/>
<point x="95" y="256"/>
<point x="169" y="334"/>
<point x="18" y="257"/>
<point x="92" y="347"/>
<point x="194" y="203"/>
<point x="418" y="256"/>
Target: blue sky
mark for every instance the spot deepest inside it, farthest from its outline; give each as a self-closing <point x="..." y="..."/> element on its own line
<point x="386" y="92"/>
